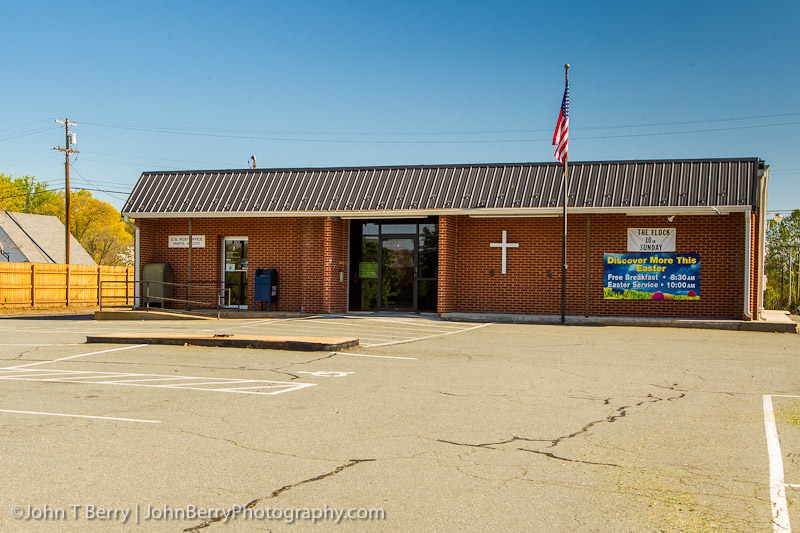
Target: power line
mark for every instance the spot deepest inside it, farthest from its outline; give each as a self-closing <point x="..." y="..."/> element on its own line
<point x="691" y="131"/>
<point x="24" y="125"/>
<point x="13" y="185"/>
<point x="22" y="157"/>
<point x="470" y="141"/>
<point x="61" y="189"/>
<point x="124" y="163"/>
<point x="34" y="132"/>
<point x="27" y="194"/>
<point x="94" y="184"/>
<point x="194" y="129"/>
<point x="152" y="158"/>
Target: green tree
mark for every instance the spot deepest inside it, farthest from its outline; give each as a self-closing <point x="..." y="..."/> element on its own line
<point x="95" y="224"/>
<point x="99" y="227"/>
<point x="783" y="244"/>
<point x="28" y="195"/>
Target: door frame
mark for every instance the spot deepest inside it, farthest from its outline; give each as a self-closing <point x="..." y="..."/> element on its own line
<point x="355" y="284"/>
<point x="415" y="242"/>
<point x="222" y="267"/>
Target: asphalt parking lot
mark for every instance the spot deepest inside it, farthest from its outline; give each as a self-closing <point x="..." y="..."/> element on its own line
<point x="427" y="426"/>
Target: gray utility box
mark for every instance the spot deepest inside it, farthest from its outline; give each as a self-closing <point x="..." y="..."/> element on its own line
<point x="155" y="280"/>
<point x="266" y="287"/>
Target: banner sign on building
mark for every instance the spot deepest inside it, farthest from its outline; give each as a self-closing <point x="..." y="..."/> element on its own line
<point x="651" y="239"/>
<point x="182" y="241"/>
<point x="655" y="276"/>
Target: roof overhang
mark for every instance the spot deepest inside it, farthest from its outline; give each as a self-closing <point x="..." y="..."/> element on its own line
<point x="475" y="213"/>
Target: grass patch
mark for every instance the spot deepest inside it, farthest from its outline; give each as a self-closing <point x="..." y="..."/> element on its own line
<point x="627" y="294"/>
<point x="789" y="414"/>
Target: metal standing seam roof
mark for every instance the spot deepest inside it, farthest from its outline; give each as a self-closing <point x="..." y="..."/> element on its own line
<point x="609" y="186"/>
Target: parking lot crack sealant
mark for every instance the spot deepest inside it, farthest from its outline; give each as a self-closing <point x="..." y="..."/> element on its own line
<point x="277" y="492"/>
<point x="489" y="445"/>
<point x="567" y="459"/>
<point x="279" y="369"/>
<point x="618" y="413"/>
<point x="251" y="449"/>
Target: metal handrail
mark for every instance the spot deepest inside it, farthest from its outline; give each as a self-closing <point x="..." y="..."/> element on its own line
<point x="146" y="299"/>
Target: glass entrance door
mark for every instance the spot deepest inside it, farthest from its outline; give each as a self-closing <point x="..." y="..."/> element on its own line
<point x="398" y="273"/>
<point x="394" y="265"/>
<point x="234" y="271"/>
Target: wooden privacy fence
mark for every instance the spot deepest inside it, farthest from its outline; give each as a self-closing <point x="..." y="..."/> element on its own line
<point x="47" y="284"/>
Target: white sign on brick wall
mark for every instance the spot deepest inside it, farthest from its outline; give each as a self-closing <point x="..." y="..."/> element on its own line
<point x="651" y="239"/>
<point x="182" y="241"/>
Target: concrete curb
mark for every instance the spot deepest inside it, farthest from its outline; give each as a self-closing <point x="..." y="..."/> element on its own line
<point x="731" y="325"/>
<point x="298" y="344"/>
<point x="141" y="314"/>
<point x="146" y="315"/>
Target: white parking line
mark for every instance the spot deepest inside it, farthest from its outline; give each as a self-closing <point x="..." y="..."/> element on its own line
<point x="82" y="416"/>
<point x="411" y="330"/>
<point x="353" y="322"/>
<point x="777" y="487"/>
<point x="431" y="336"/>
<point x="66" y="344"/>
<point x="341" y="326"/>
<point x="438" y="325"/>
<point x="76" y="356"/>
<point x="265" y="321"/>
<point x="376" y="356"/>
<point x="143" y="380"/>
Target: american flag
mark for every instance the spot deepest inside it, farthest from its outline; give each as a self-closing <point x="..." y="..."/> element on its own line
<point x="561" y="135"/>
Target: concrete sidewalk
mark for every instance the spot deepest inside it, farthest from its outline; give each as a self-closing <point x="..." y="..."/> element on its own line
<point x="776" y="321"/>
<point x="195" y="314"/>
<point x="263" y="342"/>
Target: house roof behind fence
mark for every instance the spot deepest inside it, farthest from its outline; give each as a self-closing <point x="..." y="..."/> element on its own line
<point x="39" y="239"/>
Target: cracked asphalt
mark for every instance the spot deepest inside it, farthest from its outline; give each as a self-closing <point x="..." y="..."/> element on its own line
<point x="498" y="428"/>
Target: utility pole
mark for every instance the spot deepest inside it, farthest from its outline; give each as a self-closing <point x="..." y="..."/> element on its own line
<point x="67" y="150"/>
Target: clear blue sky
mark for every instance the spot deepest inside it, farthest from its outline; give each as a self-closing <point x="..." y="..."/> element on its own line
<point x="199" y="85"/>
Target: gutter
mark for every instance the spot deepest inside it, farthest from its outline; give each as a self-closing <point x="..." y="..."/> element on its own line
<point x="136" y="262"/>
<point x="763" y="184"/>
<point x="748" y="231"/>
<point x="472" y="212"/>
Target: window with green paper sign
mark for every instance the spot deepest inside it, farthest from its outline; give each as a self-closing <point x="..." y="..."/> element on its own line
<point x="368" y="269"/>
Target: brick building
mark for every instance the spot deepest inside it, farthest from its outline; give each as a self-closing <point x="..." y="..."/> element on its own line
<point x="643" y="236"/>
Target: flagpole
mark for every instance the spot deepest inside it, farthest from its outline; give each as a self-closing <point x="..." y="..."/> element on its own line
<point x="564" y="236"/>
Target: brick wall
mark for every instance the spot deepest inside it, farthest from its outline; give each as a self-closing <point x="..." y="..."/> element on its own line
<point x="309" y="253"/>
<point x="447" y="286"/>
<point x="533" y="281"/>
<point x="334" y="297"/>
<point x="294" y="246"/>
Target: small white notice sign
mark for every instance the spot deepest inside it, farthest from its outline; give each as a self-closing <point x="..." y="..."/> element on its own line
<point x="651" y="239"/>
<point x="182" y="241"/>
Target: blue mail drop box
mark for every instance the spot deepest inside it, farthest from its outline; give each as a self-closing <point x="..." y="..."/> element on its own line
<point x="266" y="286"/>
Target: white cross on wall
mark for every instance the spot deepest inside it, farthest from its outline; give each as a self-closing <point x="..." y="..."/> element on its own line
<point x="505" y="246"/>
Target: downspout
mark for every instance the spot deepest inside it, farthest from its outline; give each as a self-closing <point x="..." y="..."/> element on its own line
<point x="763" y="183"/>
<point x="748" y="232"/>
<point x="136" y="262"/>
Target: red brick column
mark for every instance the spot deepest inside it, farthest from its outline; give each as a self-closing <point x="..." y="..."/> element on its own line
<point x="448" y="233"/>
<point x="334" y="254"/>
<point x="312" y="269"/>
